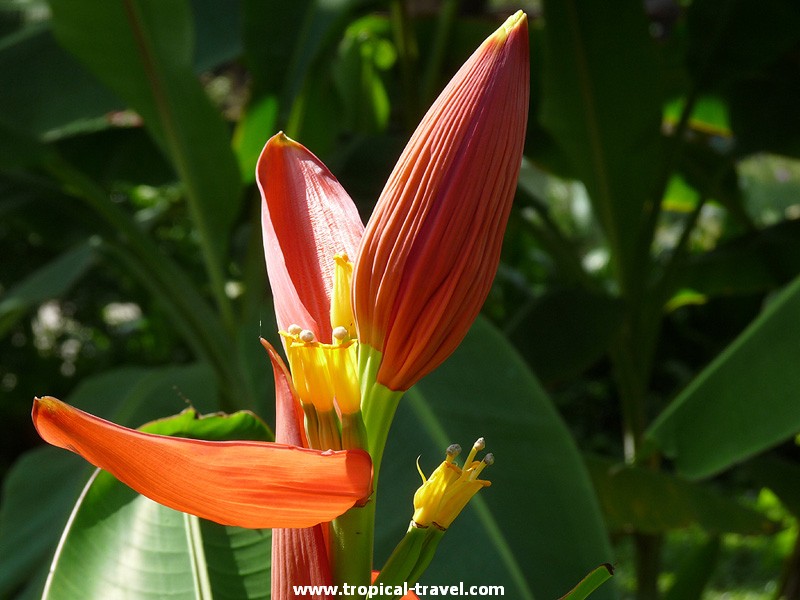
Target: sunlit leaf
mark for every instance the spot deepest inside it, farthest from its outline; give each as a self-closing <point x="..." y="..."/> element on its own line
<point x="590" y="583"/>
<point x="744" y="402"/>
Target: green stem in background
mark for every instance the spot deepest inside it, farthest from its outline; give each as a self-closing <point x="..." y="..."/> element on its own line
<point x="430" y="80"/>
<point x="177" y="146"/>
<point x="648" y="565"/>
<point x="407" y="49"/>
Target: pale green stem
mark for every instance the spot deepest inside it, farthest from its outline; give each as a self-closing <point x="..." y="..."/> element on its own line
<point x="329" y="436"/>
<point x="352" y="534"/>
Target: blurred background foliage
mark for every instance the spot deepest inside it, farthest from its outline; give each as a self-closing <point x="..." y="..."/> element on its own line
<point x="649" y="288"/>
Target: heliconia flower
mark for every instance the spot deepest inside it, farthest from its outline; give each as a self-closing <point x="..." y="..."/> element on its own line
<point x="243" y="483"/>
<point x="432" y="245"/>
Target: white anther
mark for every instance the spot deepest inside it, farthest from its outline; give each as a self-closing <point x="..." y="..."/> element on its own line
<point x="294" y="329"/>
<point x="307" y="335"/>
<point x="340" y="333"/>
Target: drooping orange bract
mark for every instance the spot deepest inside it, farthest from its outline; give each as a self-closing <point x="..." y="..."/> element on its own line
<point x="244" y="483"/>
<point x="432" y="246"/>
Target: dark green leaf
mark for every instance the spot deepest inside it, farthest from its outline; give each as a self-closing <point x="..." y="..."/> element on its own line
<point x="57" y="93"/>
<point x="780" y="476"/>
<point x="564" y="331"/>
<point x="753" y="263"/>
<point x="537" y="529"/>
<point x="646" y="501"/>
<point x="744" y="402"/>
<point x="38" y="493"/>
<point x="218" y="26"/>
<point x="745" y="51"/>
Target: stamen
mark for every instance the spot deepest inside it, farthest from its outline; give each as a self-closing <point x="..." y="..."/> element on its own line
<point x="341" y="313"/>
<point x="479" y="444"/>
<point x="487" y="460"/>
<point x="294" y="329"/>
<point x="452" y="451"/>
<point x="340" y="333"/>
<point x="307" y="336"/>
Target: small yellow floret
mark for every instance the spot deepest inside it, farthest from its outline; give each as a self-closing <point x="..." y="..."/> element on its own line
<point x="442" y="496"/>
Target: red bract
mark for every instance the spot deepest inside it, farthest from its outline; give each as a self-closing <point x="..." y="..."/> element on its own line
<point x="307" y="219"/>
<point x="432" y="246"/>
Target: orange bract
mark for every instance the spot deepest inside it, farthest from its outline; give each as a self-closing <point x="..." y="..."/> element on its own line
<point x="243" y="483"/>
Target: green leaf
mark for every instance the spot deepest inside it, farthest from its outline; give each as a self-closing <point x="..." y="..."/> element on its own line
<point x="131" y="396"/>
<point x="744" y="402"/>
<point x="709" y="115"/>
<point x="118" y="542"/>
<point x="242" y="425"/>
<point x="18" y="149"/>
<point x="48" y="282"/>
<point x="143" y="51"/>
<point x="564" y="331"/>
<point x="363" y="53"/>
<point x="58" y="93"/>
<point x="756" y="262"/>
<point x="38" y="493"/>
<point x="538" y="528"/>
<point x="219" y="26"/>
<point x="586" y="107"/>
<point x="590" y="583"/>
<point x="646" y="501"/>
<point x="35" y="508"/>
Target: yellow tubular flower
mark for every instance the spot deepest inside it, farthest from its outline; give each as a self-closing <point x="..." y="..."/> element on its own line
<point x="447" y="491"/>
<point x="311" y="376"/>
